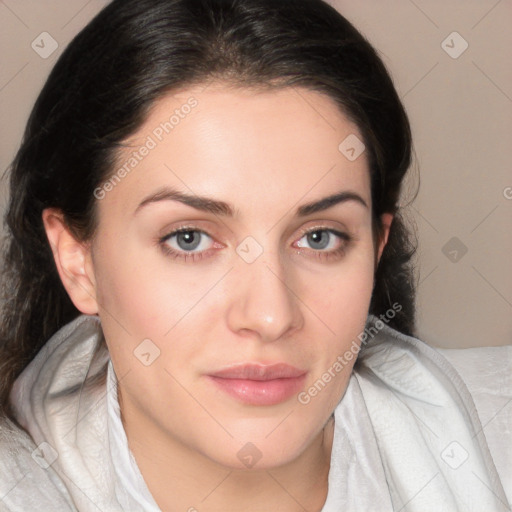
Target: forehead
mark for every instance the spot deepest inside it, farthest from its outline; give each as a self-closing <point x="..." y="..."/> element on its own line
<point x="243" y="146"/>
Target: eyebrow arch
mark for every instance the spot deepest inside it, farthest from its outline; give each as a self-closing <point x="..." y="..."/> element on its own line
<point x="327" y="202"/>
<point x="222" y="208"/>
<point x="204" y="204"/>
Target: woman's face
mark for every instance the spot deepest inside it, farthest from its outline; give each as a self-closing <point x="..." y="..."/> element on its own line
<point x="219" y="334"/>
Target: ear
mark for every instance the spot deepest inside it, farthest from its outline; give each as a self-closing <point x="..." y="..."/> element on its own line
<point x="386" y="220"/>
<point x="73" y="261"/>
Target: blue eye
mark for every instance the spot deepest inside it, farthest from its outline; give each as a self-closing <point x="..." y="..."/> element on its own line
<point x="188" y="243"/>
<point x="183" y="242"/>
<point x="188" y="240"/>
<point x="320" y="239"/>
<point x="326" y="244"/>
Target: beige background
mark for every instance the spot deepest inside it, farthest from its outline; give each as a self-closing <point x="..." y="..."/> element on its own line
<point x="460" y="110"/>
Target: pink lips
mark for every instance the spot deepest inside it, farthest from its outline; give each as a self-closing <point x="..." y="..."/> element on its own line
<point x="257" y="384"/>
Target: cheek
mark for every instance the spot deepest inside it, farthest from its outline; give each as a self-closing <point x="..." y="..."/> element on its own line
<point x="144" y="297"/>
<point x="343" y="294"/>
<point x="340" y="300"/>
<point x="132" y="286"/>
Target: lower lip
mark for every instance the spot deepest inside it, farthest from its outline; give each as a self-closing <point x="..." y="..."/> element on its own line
<point x="260" y="392"/>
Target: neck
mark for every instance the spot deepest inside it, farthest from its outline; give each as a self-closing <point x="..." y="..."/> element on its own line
<point x="181" y="479"/>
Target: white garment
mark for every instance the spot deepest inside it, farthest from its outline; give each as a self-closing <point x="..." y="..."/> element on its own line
<point x="407" y="433"/>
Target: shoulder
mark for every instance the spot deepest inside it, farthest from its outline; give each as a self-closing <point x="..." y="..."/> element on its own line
<point x="436" y="383"/>
<point x="487" y="372"/>
<point x="483" y="371"/>
<point x="25" y="483"/>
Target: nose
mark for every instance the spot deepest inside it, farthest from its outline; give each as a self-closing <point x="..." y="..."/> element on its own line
<point x="263" y="303"/>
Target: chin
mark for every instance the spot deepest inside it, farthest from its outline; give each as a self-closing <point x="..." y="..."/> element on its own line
<point x="262" y="451"/>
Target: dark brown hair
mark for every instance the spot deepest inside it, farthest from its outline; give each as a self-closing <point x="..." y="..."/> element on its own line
<point x="101" y="91"/>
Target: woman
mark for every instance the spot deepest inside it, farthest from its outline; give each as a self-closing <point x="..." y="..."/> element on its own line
<point x="204" y="239"/>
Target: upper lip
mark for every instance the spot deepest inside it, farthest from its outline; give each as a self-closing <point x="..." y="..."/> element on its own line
<point x="259" y="372"/>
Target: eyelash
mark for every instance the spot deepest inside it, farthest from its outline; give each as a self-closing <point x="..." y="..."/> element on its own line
<point x="197" y="256"/>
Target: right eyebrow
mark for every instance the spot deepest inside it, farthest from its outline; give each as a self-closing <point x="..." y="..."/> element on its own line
<point x="205" y="204"/>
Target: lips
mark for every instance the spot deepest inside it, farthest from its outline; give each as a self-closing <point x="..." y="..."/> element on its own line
<point x="257" y="384"/>
<point x="259" y="372"/>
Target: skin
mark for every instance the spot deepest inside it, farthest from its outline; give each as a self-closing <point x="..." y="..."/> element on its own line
<point x="265" y="153"/>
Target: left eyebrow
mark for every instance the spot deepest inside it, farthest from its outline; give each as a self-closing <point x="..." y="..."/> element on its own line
<point x="328" y="202"/>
